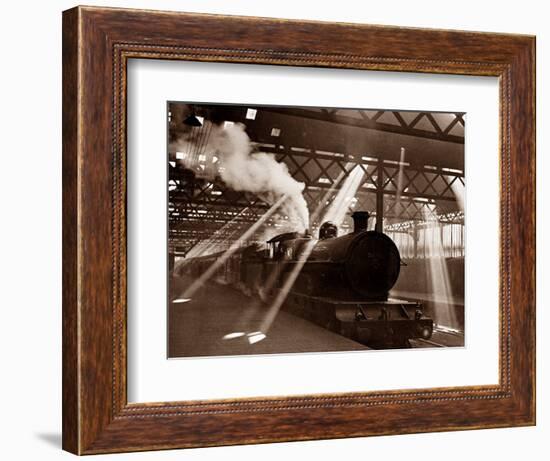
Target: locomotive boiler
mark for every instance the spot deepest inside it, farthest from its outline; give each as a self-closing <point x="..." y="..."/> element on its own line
<point x="341" y="283"/>
<point x="362" y="265"/>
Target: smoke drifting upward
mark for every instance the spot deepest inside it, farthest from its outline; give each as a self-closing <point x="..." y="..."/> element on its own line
<point x="242" y="169"/>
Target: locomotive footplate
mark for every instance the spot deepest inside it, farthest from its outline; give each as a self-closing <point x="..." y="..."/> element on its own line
<point x="377" y="324"/>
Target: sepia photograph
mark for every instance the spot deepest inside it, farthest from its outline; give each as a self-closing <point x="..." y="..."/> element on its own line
<point x="314" y="229"/>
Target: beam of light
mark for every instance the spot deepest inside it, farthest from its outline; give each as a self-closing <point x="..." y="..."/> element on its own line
<point x="256" y="304"/>
<point x="237" y="334"/>
<point x="189" y="292"/>
<point x="285" y="289"/>
<point x="222" y="244"/>
<point x="181" y="300"/>
<point x="321" y="205"/>
<point x="255" y="337"/>
<point x="438" y="273"/>
<point x="400" y="176"/>
<point x="445" y="329"/>
<point x="339" y="206"/>
<point x="223" y="234"/>
<point x="335" y="213"/>
<point x="458" y="189"/>
<point x="205" y="247"/>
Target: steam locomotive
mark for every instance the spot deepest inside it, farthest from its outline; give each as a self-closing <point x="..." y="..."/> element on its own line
<point x="340" y="283"/>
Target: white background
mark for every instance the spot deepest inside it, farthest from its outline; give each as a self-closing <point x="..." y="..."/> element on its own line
<point x="153" y="378"/>
<point x="30" y="247"/>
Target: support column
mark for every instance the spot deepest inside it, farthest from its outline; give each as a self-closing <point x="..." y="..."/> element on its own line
<point x="380" y="196"/>
<point x="171" y="262"/>
<point x="415" y="240"/>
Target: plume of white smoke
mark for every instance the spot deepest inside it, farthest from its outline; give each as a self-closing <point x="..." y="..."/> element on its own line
<point x="242" y="169"/>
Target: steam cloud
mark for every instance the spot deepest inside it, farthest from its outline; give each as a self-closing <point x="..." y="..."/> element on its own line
<point x="242" y="169"/>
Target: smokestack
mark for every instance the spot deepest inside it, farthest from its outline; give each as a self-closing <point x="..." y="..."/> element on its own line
<point x="360" y="221"/>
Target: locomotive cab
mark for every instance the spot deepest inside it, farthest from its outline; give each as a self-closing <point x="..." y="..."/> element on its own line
<point x="289" y="246"/>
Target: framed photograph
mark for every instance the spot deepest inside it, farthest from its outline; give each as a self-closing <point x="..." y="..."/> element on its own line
<point x="280" y="230"/>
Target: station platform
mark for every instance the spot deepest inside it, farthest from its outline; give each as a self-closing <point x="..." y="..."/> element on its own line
<point x="219" y="320"/>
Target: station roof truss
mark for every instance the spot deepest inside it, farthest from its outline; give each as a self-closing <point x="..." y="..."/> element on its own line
<point x="415" y="185"/>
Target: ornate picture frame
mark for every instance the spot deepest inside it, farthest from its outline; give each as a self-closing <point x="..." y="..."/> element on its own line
<point x="97" y="45"/>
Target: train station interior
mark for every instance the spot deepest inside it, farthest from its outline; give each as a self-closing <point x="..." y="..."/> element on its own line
<point x="405" y="168"/>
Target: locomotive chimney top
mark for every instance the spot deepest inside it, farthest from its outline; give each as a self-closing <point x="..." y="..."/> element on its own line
<point x="360" y="221"/>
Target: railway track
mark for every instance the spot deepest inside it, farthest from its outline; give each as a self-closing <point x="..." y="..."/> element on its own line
<point x="440" y="338"/>
<point x="424" y="342"/>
